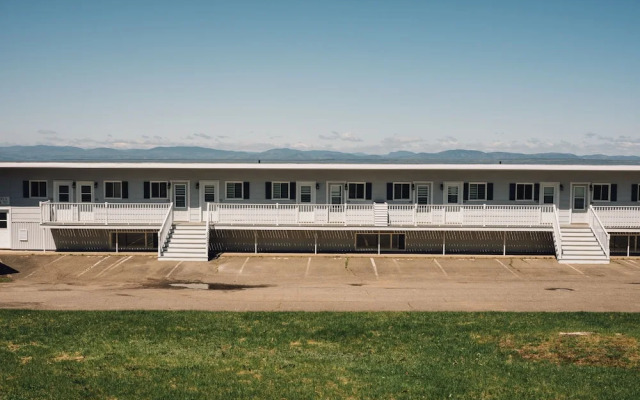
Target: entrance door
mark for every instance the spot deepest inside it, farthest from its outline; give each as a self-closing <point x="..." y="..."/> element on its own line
<point x="180" y="201"/>
<point x="423" y="200"/>
<point x="579" y="202"/>
<point x="5" y="228"/>
<point x="452" y="200"/>
<point x="84" y="195"/>
<point x="62" y="195"/>
<point x="208" y="194"/>
<point x="336" y="202"/>
<point x="306" y="198"/>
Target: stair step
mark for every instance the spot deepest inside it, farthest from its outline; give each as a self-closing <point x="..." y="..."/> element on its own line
<point x="577" y="234"/>
<point x="187" y="245"/>
<point x="186" y="252"/>
<point x="583" y="252"/>
<point x="579" y="257"/>
<point x="174" y="258"/>
<point x="584" y="247"/>
<point x="579" y="240"/>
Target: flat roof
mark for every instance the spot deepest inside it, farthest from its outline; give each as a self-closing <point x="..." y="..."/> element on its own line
<point x="317" y="166"/>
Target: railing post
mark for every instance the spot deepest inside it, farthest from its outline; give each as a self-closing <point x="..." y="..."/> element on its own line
<point x="484" y="214"/>
<point x="415" y="214"/>
<point x="277" y="214"/>
<point x="106" y="212"/>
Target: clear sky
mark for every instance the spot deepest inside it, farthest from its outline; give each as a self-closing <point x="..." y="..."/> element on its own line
<point x="369" y="76"/>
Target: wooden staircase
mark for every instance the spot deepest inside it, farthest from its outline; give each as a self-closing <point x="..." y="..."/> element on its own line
<point x="580" y="246"/>
<point x="187" y="242"/>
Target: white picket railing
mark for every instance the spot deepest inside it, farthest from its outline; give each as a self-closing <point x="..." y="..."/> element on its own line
<point x="599" y="230"/>
<point x="363" y="215"/>
<point x="163" y="232"/>
<point x="557" y="233"/>
<point x="103" y="213"/>
<point x="619" y="216"/>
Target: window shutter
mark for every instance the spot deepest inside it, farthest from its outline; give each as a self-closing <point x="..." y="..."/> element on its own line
<point x="25" y="189"/>
<point x="614" y="192"/>
<point x="125" y="190"/>
<point x="465" y="191"/>
<point x="368" y="190"/>
<point x="536" y="192"/>
<point x="389" y="190"/>
<point x="267" y="190"/>
<point x="489" y="191"/>
<point x="512" y="191"/>
<point x="292" y="190"/>
<point x="245" y="190"/>
<point x="147" y="190"/>
<point x="634" y="192"/>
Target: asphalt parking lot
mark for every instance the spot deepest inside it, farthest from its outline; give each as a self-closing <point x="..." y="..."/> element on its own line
<point x="239" y="282"/>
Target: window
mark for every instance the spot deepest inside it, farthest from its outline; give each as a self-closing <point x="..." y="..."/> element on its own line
<point x="452" y="194"/>
<point x="548" y="195"/>
<point x="579" y="197"/>
<point x="64" y="194"/>
<point x="3" y="219"/>
<point x="38" y="189"/>
<point x="401" y="191"/>
<point x="335" y="192"/>
<point x="477" y="191"/>
<point x="524" y="191"/>
<point x="305" y="193"/>
<point x="112" y="190"/>
<point x="422" y="194"/>
<point x="280" y="190"/>
<point x="234" y="190"/>
<point x="209" y="193"/>
<point x="356" y="191"/>
<point x="601" y="192"/>
<point x="158" y="190"/>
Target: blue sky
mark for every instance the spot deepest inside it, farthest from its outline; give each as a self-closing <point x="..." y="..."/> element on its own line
<point x="366" y="76"/>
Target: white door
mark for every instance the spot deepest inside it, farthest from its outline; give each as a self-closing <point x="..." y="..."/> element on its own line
<point x="84" y="195"/>
<point x="549" y="194"/>
<point x="306" y="198"/>
<point x="208" y="194"/>
<point x="423" y="200"/>
<point x="62" y="194"/>
<point x="336" y="202"/>
<point x="452" y="200"/>
<point x="180" y="198"/>
<point x="579" y="202"/>
<point x="5" y="228"/>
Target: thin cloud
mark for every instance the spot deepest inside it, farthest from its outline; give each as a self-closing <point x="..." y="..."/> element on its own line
<point x="47" y="132"/>
<point x="345" y="137"/>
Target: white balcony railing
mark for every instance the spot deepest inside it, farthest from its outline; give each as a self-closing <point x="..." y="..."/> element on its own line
<point x="619" y="216"/>
<point x="103" y="213"/>
<point x="363" y="215"/>
<point x="599" y="230"/>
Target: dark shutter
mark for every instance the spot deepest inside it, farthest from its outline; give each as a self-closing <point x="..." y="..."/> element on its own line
<point x="389" y="190"/>
<point x="512" y="191"/>
<point x="368" y="190"/>
<point x="25" y="189"/>
<point x="489" y="191"/>
<point x="125" y="190"/>
<point x="147" y="190"/>
<point x="536" y="192"/>
<point x="634" y="192"/>
<point x="292" y="190"/>
<point x="245" y="190"/>
<point x="267" y="190"/>
<point x="614" y="192"/>
<point x="465" y="191"/>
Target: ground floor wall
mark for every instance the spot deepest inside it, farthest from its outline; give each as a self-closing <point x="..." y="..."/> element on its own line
<point x="104" y="240"/>
<point x="625" y="244"/>
<point x="429" y="242"/>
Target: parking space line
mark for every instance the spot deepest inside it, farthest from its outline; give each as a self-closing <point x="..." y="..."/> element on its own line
<point x="46" y="265"/>
<point x="628" y="262"/>
<point x="173" y="269"/>
<point x="509" y="269"/>
<point x="395" y="262"/>
<point x="109" y="268"/>
<point x="576" y="269"/>
<point x="440" y="266"/>
<point x="91" y="267"/>
<point x="306" y="273"/>
<point x="375" y="269"/>
<point x="631" y="261"/>
<point x="242" y="268"/>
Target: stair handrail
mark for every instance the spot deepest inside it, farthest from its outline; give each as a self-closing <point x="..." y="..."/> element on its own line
<point x="207" y="223"/>
<point x="163" y="232"/>
<point x="599" y="231"/>
<point x="557" y="233"/>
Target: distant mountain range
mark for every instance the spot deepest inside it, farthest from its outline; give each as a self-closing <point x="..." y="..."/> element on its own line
<point x="202" y="154"/>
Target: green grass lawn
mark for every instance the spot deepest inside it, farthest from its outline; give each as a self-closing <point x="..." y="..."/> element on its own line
<point x="174" y="355"/>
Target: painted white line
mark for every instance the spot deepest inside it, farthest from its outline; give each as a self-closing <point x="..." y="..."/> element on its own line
<point x="628" y="262"/>
<point x="631" y="261"/>
<point x="306" y="273"/>
<point x="173" y="269"/>
<point x="440" y="266"/>
<point x="46" y="265"/>
<point x="576" y="269"/>
<point x="375" y="269"/>
<point x="112" y="266"/>
<point x="395" y="262"/>
<point x="508" y="269"/>
<point x="91" y="267"/>
<point x="243" y="264"/>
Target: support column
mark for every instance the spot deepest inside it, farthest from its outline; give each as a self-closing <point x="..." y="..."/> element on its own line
<point x="444" y="235"/>
<point x="255" y="242"/>
<point x="315" y="244"/>
<point x="116" y="241"/>
<point x="628" y="244"/>
<point x="504" y="243"/>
